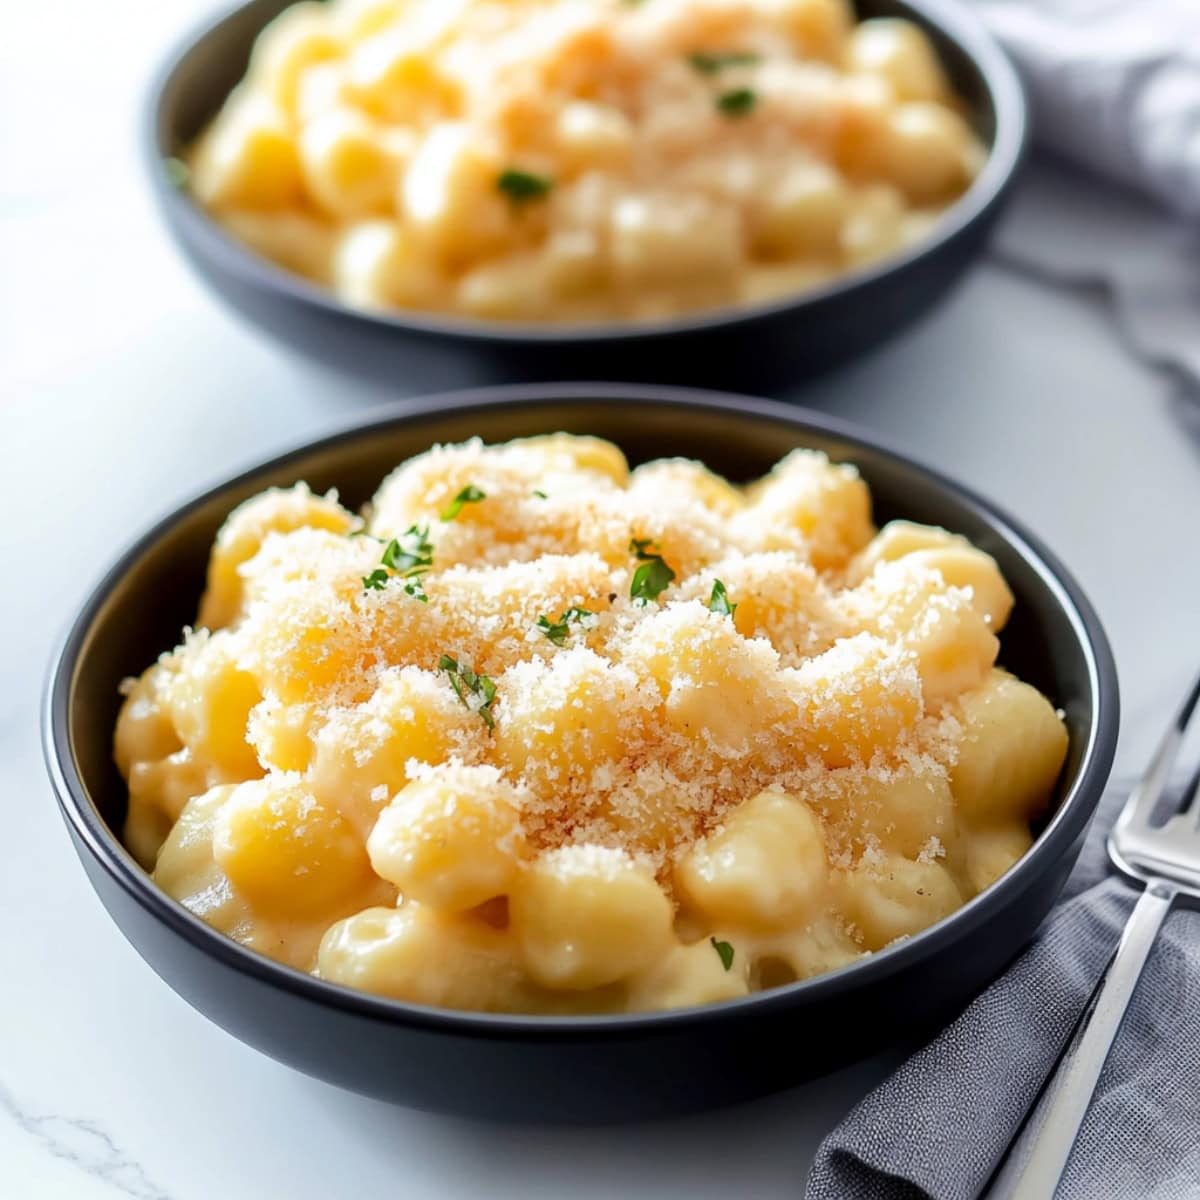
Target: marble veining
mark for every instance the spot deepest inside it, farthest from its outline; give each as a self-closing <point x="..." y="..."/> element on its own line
<point x="87" y="1146"/>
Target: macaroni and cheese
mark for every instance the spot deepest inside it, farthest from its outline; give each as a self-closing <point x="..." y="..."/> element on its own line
<point x="542" y="734"/>
<point x="582" y="160"/>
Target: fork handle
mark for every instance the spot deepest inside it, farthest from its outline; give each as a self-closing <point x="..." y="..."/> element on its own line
<point x="1037" y="1159"/>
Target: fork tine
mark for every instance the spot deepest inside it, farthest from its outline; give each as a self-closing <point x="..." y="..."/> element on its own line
<point x="1187" y="799"/>
<point x="1143" y="799"/>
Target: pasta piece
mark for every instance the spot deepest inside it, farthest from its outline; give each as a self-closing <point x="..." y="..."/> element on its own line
<point x="347" y="167"/>
<point x="392" y="73"/>
<point x="249" y="158"/>
<point x="301" y="36"/>
<point x="716" y="685"/>
<point x="209" y="698"/>
<point x="766" y="867"/>
<point x="910" y="602"/>
<point x="584" y="916"/>
<point x="856" y="699"/>
<point x="240" y="538"/>
<point x="801" y="214"/>
<point x="379" y="265"/>
<point x="673" y="240"/>
<point x="285" y="852"/>
<point x="1013" y="748"/>
<point x="422" y="956"/>
<point x="687" y="976"/>
<point x="565" y="720"/>
<point x="144" y="731"/>
<point x="589" y="135"/>
<point x="908" y="810"/>
<point x="897" y="539"/>
<point x="693" y="479"/>
<point x="362" y="754"/>
<point x="960" y="565"/>
<point x="891" y="897"/>
<point x="819" y="27"/>
<point x="282" y="735"/>
<point x="187" y="870"/>
<point x="808" y="503"/>
<point x="451" y="839"/>
<point x="777" y="597"/>
<point x="927" y="151"/>
<point x="297" y="242"/>
<point x="451" y="199"/>
<point x="898" y="52"/>
<point x="992" y="852"/>
<point x="159" y="791"/>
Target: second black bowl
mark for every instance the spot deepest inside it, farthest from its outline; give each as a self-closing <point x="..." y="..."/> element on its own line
<point x="760" y="347"/>
<point x="575" y="1068"/>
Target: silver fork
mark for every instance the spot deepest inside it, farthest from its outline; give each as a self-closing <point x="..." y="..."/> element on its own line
<point x="1165" y="860"/>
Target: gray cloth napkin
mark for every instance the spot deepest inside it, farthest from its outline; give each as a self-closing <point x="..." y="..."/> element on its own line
<point x="940" y="1124"/>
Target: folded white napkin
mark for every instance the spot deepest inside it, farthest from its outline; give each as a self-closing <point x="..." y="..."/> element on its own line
<point x="1114" y="85"/>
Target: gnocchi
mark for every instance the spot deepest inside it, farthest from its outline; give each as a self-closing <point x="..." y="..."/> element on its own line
<point x="541" y="732"/>
<point x="533" y="160"/>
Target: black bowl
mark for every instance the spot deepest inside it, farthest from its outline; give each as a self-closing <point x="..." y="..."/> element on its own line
<point x="567" y="1068"/>
<point x="760" y="346"/>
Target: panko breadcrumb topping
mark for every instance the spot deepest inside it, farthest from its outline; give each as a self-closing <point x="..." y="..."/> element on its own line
<point x="527" y="671"/>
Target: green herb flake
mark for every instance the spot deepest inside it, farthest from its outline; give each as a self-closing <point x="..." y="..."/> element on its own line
<point x="737" y="103"/>
<point x="709" y="63"/>
<point x="178" y="173"/>
<point x="652" y="576"/>
<point x="718" y="602"/>
<point x="408" y="559"/>
<point x="469" y="495"/>
<point x="540" y="494"/>
<point x="520" y="186"/>
<point x="558" y="631"/>
<point x="412" y="555"/>
<point x="724" y="952"/>
<point x="477" y="692"/>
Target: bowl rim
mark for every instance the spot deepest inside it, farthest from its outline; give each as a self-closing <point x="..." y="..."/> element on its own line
<point x="1067" y="824"/>
<point x="953" y="21"/>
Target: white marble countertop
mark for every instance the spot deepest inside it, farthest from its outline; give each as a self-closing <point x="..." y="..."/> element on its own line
<point x="124" y="387"/>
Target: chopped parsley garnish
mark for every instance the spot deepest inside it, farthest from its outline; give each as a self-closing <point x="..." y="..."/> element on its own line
<point x="558" y="631"/>
<point x="177" y="172"/>
<point x="710" y="63"/>
<point x="652" y="576"/>
<point x="523" y="185"/>
<point x="416" y="589"/>
<point x="408" y="560"/>
<point x="411" y="557"/>
<point x="469" y="495"/>
<point x="540" y="494"/>
<point x="718" y="602"/>
<point x="724" y="952"/>
<point x="737" y="103"/>
<point x="481" y="689"/>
